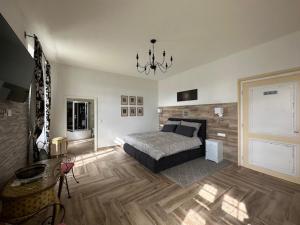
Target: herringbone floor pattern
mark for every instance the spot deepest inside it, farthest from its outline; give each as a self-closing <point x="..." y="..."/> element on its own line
<point x="114" y="189"/>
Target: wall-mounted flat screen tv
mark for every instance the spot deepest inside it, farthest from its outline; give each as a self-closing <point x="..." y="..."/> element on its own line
<point x="187" y="95"/>
<point x="16" y="65"/>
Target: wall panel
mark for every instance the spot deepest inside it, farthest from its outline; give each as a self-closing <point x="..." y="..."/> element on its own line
<point x="227" y="124"/>
<point x="13" y="139"/>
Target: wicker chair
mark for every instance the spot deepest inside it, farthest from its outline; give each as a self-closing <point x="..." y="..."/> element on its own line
<point x="42" y="216"/>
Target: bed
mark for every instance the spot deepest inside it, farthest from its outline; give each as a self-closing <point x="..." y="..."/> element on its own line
<point x="158" y="162"/>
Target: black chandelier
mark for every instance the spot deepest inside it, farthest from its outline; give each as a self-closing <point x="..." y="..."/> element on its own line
<point x="153" y="64"/>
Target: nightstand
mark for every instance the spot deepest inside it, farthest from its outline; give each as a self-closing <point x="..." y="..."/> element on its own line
<point x="214" y="150"/>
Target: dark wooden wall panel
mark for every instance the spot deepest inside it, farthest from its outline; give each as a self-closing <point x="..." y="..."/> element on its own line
<point x="13" y="139"/>
<point x="228" y="124"/>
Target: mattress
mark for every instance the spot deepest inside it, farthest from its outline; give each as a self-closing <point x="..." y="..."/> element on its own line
<point x="161" y="144"/>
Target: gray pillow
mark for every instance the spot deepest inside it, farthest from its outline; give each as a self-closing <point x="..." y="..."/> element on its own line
<point x="169" y="128"/>
<point x="173" y="122"/>
<point x="185" y="130"/>
<point x="192" y="124"/>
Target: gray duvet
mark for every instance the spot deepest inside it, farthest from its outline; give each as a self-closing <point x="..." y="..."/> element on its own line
<point x="160" y="144"/>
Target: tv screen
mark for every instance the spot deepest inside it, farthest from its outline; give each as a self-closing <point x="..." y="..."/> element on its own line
<point x="187" y="95"/>
<point x="16" y="65"/>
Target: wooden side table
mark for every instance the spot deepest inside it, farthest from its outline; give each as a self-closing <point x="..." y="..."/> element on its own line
<point x="20" y="202"/>
<point x="214" y="150"/>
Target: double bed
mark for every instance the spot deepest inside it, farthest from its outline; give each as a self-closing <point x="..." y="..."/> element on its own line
<point x="161" y="150"/>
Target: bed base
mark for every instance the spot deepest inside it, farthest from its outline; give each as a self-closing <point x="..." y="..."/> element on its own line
<point x="166" y="162"/>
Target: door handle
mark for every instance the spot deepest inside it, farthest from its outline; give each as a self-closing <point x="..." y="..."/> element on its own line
<point x="296" y="132"/>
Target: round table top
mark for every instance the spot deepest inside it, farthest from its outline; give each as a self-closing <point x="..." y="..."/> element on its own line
<point x="49" y="179"/>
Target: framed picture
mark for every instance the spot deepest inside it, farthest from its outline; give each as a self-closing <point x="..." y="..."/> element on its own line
<point x="124" y="111"/>
<point x="140" y="100"/>
<point x="132" y="111"/>
<point x="140" y="111"/>
<point x="124" y="100"/>
<point x="132" y="100"/>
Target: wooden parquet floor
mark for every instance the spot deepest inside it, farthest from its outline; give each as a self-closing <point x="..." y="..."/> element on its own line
<point x="115" y="189"/>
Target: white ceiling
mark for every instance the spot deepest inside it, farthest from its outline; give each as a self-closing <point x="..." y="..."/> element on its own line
<point x="107" y="34"/>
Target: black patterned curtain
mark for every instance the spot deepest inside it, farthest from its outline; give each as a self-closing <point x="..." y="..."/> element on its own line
<point x="47" y="103"/>
<point x="39" y="88"/>
<point x="42" y="83"/>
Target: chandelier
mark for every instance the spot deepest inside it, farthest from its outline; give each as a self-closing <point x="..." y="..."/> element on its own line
<point x="153" y="64"/>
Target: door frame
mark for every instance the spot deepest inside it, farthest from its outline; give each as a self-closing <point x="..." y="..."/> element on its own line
<point x="277" y="74"/>
<point x="95" y="99"/>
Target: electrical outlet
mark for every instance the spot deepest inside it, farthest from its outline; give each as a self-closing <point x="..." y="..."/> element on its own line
<point x="3" y="112"/>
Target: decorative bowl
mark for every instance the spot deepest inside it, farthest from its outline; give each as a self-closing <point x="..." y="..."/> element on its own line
<point x="30" y="171"/>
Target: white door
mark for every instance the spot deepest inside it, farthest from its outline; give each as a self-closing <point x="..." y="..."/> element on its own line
<point x="270" y="126"/>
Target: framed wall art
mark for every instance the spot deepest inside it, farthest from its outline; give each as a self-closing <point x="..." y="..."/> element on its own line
<point x="124" y="100"/>
<point x="140" y="100"/>
<point x="132" y="100"/>
<point x="124" y="111"/>
<point x="140" y="111"/>
<point x="132" y="111"/>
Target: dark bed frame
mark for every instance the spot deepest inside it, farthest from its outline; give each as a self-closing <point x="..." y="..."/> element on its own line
<point x="171" y="160"/>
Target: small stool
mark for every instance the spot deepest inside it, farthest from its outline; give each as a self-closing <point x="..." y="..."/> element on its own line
<point x="59" y="146"/>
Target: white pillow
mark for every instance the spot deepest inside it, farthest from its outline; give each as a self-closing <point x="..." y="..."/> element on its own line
<point x="173" y="122"/>
<point x="192" y="124"/>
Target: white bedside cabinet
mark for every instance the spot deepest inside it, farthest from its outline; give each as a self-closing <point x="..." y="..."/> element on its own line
<point x="214" y="150"/>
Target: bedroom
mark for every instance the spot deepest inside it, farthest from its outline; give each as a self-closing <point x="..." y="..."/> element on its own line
<point x="209" y="167"/>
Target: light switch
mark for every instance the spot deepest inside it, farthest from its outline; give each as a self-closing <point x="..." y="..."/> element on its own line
<point x="9" y="112"/>
<point x="221" y="134"/>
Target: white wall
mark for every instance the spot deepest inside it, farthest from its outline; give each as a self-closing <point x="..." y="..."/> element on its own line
<point x="107" y="88"/>
<point x="217" y="81"/>
<point x="13" y="15"/>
